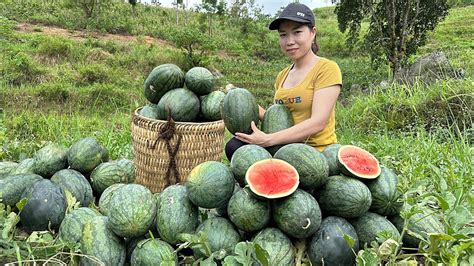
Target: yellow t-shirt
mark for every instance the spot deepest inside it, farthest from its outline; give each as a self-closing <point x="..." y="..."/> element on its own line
<point x="299" y="99"/>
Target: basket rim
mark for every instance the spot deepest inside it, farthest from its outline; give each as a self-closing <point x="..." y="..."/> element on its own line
<point x="136" y="113"/>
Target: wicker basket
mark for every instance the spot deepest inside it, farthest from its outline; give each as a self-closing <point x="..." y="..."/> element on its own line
<point x="200" y="142"/>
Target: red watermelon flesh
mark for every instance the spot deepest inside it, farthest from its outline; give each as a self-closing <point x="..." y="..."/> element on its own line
<point x="357" y="162"/>
<point x="272" y="178"/>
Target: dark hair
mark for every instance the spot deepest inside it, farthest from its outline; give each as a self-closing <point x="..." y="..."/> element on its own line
<point x="314" y="45"/>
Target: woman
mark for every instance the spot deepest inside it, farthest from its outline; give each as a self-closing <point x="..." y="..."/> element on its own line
<point x="309" y="87"/>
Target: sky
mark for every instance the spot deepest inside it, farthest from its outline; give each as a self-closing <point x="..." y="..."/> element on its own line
<point x="269" y="6"/>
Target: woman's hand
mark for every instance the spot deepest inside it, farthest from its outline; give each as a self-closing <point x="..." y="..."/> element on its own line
<point x="257" y="137"/>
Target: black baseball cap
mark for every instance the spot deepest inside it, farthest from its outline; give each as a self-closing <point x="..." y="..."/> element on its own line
<point x="296" y="12"/>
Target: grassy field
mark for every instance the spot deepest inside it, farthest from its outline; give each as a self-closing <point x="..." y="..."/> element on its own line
<point x="60" y="87"/>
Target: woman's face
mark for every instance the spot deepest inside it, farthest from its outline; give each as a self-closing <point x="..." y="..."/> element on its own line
<point x="295" y="39"/>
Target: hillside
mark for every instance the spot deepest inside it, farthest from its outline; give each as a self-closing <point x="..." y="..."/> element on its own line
<point x="64" y="77"/>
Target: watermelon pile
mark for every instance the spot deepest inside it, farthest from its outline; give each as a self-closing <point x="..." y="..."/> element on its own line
<point x="186" y="97"/>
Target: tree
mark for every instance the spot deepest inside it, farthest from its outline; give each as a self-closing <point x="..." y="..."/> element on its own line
<point x="210" y="6"/>
<point x="396" y="27"/>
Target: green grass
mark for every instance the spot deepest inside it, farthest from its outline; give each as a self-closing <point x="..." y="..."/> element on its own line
<point x="56" y="89"/>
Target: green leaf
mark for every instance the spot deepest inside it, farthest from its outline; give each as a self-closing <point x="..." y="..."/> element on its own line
<point x="367" y="258"/>
<point x="442" y="202"/>
<point x="349" y="240"/>
<point x="21" y="204"/>
<point x="9" y="225"/>
<point x="261" y="255"/>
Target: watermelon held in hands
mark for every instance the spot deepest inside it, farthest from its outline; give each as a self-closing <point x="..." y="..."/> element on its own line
<point x="199" y="80"/>
<point x="240" y="108"/>
<point x="357" y="162"/>
<point x="277" y="117"/>
<point x="162" y="79"/>
<point x="272" y="178"/>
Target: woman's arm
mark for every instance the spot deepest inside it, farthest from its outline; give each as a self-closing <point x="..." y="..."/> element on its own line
<point x="323" y="102"/>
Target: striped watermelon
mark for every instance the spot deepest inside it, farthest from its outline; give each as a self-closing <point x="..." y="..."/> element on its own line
<point x="71" y="227"/>
<point x="132" y="210"/>
<point x="50" y="159"/>
<point x="345" y="197"/>
<point x="244" y="157"/>
<point x="199" y="80"/>
<point x="86" y="154"/>
<point x="248" y="213"/>
<point x="278" y="246"/>
<point x="76" y="183"/>
<point x="107" y="174"/>
<point x="277" y="117"/>
<point x="298" y="215"/>
<point x="162" y="79"/>
<point x="211" y="105"/>
<point x="240" y="108"/>
<point x="386" y="199"/>
<point x="182" y="103"/>
<point x="370" y="225"/>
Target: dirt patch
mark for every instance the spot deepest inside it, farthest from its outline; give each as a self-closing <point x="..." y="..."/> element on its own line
<point x="81" y="35"/>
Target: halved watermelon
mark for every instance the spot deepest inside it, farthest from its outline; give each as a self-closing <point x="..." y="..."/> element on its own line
<point x="357" y="162"/>
<point x="272" y="178"/>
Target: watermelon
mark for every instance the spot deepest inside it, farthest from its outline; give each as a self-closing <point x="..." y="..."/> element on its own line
<point x="45" y="208"/>
<point x="6" y="168"/>
<point x="357" y="162"/>
<point x="211" y="105"/>
<point x="199" y="80"/>
<point x="418" y="225"/>
<point x="71" y="227"/>
<point x="130" y="245"/>
<point x="298" y="215"/>
<point x="162" y="79"/>
<point x="75" y="183"/>
<point x="13" y="186"/>
<point x="277" y="117"/>
<point x="369" y="226"/>
<point x="107" y="174"/>
<point x="311" y="164"/>
<point x="132" y="209"/>
<point x="49" y="159"/>
<point x="129" y="168"/>
<point x="153" y="252"/>
<point x="175" y="213"/>
<point x="239" y="109"/>
<point x="330" y="152"/>
<point x="386" y="200"/>
<point x="25" y="167"/>
<point x="221" y="236"/>
<point x="183" y="104"/>
<point x="100" y="242"/>
<point x="248" y="213"/>
<point x="105" y="197"/>
<point x="210" y="184"/>
<point x="272" y="178"/>
<point x="86" y="154"/>
<point x="222" y="210"/>
<point x="149" y="111"/>
<point x="344" y="196"/>
<point x="328" y="246"/>
<point x="278" y="246"/>
<point x="244" y="157"/>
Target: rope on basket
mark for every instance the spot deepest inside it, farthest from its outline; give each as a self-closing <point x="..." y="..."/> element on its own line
<point x="166" y="134"/>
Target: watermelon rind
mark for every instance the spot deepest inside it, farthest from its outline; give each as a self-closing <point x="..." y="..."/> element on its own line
<point x="182" y="103"/>
<point x="50" y="159"/>
<point x="76" y="183"/>
<point x="312" y="165"/>
<point x="86" y="154"/>
<point x="297" y="215"/>
<point x="6" y="168"/>
<point x="210" y="184"/>
<point x="162" y="79"/>
<point x="132" y="210"/>
<point x="328" y="245"/>
<point x="100" y="242"/>
<point x="277" y="117"/>
<point x="221" y="235"/>
<point x="278" y="246"/>
<point x="370" y="225"/>
<point x="344" y="196"/>
<point x="153" y="252"/>
<point x="386" y="199"/>
<point x="244" y="157"/>
<point x="13" y="186"/>
<point x="175" y="213"/>
<point x="330" y="152"/>
<point x="200" y="80"/>
<point x="239" y="109"/>
<point x="72" y="225"/>
<point x="248" y="213"/>
<point x="45" y="207"/>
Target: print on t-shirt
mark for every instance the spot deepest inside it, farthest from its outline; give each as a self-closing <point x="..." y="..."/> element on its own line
<point x="296" y="99"/>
